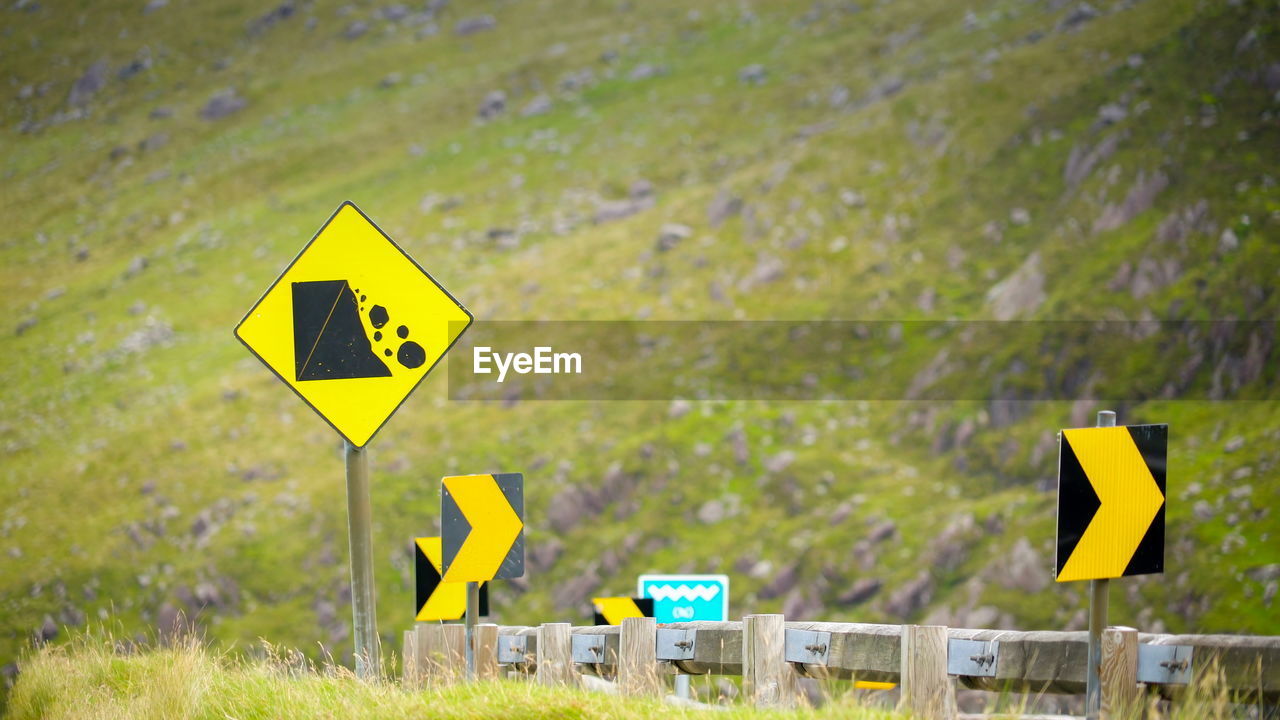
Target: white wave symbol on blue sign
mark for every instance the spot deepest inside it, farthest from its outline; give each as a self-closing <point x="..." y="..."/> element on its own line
<point x="683" y="592"/>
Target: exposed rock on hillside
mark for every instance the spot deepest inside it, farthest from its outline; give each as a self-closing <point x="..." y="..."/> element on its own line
<point x="223" y="104"/>
<point x="88" y="84"/>
<point x="1021" y="293"/>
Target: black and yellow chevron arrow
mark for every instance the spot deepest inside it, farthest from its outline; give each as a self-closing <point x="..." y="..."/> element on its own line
<point x="1111" y="502"/>
<point x="439" y="600"/>
<point x="612" y="610"/>
<point x="482" y="527"/>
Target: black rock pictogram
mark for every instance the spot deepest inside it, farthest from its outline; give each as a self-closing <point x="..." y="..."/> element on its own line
<point x="329" y="340"/>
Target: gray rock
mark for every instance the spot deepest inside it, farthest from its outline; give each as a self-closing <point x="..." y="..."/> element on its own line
<point x="394" y="13"/>
<point x="641" y="197"/>
<point x="135" y="66"/>
<point x="47" y="631"/>
<point x="390" y="80"/>
<point x="355" y="29"/>
<point x="911" y="597"/>
<point x="738" y="439"/>
<point x="679" y="408"/>
<point x="645" y="71"/>
<point x="576" y="590"/>
<point x="852" y="198"/>
<point x="161" y="113"/>
<point x="1234" y="444"/>
<point x="1079" y="15"/>
<point x="768" y="269"/>
<point x="1023" y="569"/>
<point x="1112" y="113"/>
<point x="545" y="554"/>
<point x="266" y="21"/>
<point x="540" y="104"/>
<point x="1228" y="241"/>
<point x="153" y="6"/>
<point x="801" y="605"/>
<point x="88" y="84"/>
<point x="671" y="235"/>
<point x="577" y="80"/>
<point x="1180" y="224"/>
<point x="223" y="104"/>
<point x="1271" y="77"/>
<point x="839" y="97"/>
<point x="1139" y="199"/>
<point x="1021" y="293"/>
<point x="1152" y="274"/>
<point x="781" y="461"/>
<point x="753" y="75"/>
<point x="1019" y="216"/>
<point x="473" y="25"/>
<point x="154" y="142"/>
<point x="722" y="207"/>
<point x="862" y="590"/>
<point x="782" y="583"/>
<point x="711" y="512"/>
<point x="882" y="531"/>
<point x="493" y="105"/>
<point x="1081" y="161"/>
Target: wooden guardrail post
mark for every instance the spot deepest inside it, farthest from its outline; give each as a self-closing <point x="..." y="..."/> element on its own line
<point x="767" y="679"/>
<point x="1118" y="674"/>
<point x="453" y="652"/>
<point x="408" y="663"/>
<point x="927" y="691"/>
<point x="426" y="653"/>
<point x="555" y="655"/>
<point x="638" y="656"/>
<point x="486" y="650"/>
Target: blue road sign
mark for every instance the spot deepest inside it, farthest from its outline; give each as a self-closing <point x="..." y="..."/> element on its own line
<point x="683" y="598"/>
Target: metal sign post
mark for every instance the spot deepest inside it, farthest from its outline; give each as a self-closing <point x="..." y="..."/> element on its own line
<point x="1097" y="620"/>
<point x="368" y="654"/>
<point x="473" y="606"/>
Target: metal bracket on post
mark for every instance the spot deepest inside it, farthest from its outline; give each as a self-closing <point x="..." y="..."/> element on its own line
<point x="588" y="649"/>
<point x="511" y="649"/>
<point x="972" y="658"/>
<point x="1165" y="664"/>
<point x="674" y="644"/>
<point x="807" y="647"/>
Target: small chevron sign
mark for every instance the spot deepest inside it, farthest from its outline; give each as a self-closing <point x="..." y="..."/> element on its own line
<point x="1111" y="502"/>
<point x="438" y="600"/>
<point x="613" y="610"/>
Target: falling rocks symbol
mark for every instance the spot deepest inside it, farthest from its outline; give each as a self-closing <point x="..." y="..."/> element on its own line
<point x="330" y="341"/>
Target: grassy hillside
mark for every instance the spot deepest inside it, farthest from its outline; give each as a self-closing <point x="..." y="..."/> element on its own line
<point x="906" y="160"/>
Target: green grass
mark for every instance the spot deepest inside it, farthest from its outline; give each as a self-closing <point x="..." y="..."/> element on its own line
<point x="89" y="679"/>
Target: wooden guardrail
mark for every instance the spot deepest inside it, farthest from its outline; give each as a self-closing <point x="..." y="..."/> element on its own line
<point x="769" y="654"/>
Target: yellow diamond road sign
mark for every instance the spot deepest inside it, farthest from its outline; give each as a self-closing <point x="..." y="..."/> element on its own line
<point x="353" y="324"/>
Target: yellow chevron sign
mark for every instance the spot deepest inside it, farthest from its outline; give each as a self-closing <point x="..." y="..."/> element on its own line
<point x="483" y="527"/>
<point x="438" y="600"/>
<point x="613" y="610"/>
<point x="1111" y="502"/>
